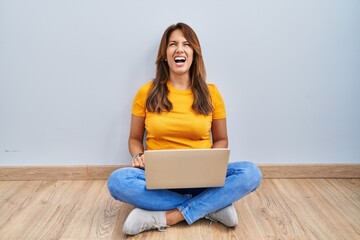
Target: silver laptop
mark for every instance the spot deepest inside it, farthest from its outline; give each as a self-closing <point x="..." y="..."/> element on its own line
<point x="186" y="168"/>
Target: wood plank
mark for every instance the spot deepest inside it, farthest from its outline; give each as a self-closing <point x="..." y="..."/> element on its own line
<point x="247" y="227"/>
<point x="46" y="211"/>
<point x="24" y="214"/>
<point x="270" y="171"/>
<point x="341" y="201"/>
<point x="81" y="220"/>
<point x="279" y="209"/>
<point x="351" y="188"/>
<point x="15" y="198"/>
<point x="314" y="209"/>
<point x="64" y="202"/>
<point x="106" y="215"/>
<point x="274" y="217"/>
<point x="97" y="215"/>
<point x="54" y="221"/>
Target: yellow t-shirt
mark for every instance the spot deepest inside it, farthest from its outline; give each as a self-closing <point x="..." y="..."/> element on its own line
<point x="182" y="127"/>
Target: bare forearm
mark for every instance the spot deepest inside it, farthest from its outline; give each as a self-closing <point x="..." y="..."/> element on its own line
<point x="135" y="146"/>
<point x="219" y="133"/>
<point x="221" y="143"/>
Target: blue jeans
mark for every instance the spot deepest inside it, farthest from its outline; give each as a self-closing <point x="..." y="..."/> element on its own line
<point x="128" y="185"/>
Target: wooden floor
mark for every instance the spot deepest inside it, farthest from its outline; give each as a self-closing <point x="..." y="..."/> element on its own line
<point x="280" y="209"/>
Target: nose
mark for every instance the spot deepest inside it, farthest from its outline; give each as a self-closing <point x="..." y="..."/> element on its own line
<point x="179" y="49"/>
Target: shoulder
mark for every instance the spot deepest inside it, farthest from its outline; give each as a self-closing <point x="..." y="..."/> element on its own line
<point x="217" y="102"/>
<point x="213" y="90"/>
<point x="145" y="88"/>
<point x="143" y="91"/>
<point x="139" y="101"/>
<point x="215" y="94"/>
<point x="211" y="86"/>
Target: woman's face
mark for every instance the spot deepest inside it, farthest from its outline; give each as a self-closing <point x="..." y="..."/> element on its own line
<point x="179" y="54"/>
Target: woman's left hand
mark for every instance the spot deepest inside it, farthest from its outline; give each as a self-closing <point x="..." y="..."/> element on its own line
<point x="138" y="162"/>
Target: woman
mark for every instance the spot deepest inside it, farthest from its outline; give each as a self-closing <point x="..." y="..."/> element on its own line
<point x="179" y="110"/>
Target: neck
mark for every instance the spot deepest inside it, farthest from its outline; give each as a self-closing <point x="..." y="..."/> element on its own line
<point x="180" y="82"/>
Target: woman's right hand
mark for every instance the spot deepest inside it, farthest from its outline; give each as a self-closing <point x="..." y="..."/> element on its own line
<point x="138" y="162"/>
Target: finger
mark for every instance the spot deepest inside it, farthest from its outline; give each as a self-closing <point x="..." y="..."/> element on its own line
<point x="133" y="163"/>
<point x="142" y="160"/>
<point x="137" y="162"/>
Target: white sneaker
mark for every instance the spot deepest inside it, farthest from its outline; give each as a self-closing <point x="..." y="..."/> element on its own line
<point x="140" y="220"/>
<point x="226" y="216"/>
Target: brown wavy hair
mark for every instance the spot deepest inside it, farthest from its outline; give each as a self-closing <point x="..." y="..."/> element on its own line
<point x="157" y="100"/>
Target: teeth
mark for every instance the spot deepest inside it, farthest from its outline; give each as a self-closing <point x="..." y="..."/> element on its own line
<point x="180" y="58"/>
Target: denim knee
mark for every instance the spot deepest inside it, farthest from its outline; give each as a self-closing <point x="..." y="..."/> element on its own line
<point x="118" y="181"/>
<point x="256" y="175"/>
<point x="113" y="180"/>
<point x="250" y="175"/>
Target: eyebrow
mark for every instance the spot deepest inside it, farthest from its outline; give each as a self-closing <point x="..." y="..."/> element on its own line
<point x="173" y="41"/>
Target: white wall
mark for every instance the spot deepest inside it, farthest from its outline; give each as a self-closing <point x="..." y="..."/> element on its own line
<point x="289" y="72"/>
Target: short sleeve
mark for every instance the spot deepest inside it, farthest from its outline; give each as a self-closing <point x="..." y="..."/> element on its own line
<point x="218" y="102"/>
<point x="139" y="102"/>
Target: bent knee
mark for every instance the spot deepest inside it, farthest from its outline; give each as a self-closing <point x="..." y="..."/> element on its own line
<point x="256" y="176"/>
<point x="120" y="180"/>
<point x="250" y="175"/>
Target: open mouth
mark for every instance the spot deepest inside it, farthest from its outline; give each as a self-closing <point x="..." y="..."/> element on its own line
<point x="180" y="59"/>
